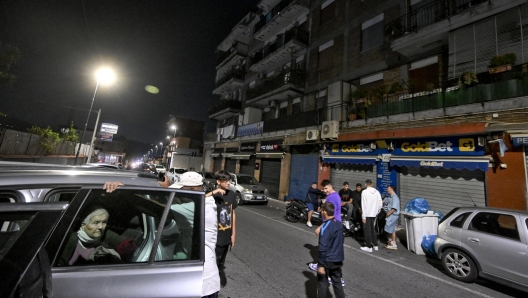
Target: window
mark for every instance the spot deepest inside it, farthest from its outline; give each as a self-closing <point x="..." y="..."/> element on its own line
<point x="11" y="226"/>
<point x="121" y="227"/>
<point x="459" y="220"/>
<point x="62" y="195"/>
<point x="327" y="11"/>
<point x="325" y="57"/>
<point x="503" y="225"/>
<point x="372" y="33"/>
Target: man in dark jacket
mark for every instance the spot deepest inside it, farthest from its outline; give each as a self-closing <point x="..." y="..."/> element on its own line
<point x="312" y="202"/>
<point x="331" y="254"/>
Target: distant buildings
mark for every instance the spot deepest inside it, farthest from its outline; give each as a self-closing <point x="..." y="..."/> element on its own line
<point x="419" y="94"/>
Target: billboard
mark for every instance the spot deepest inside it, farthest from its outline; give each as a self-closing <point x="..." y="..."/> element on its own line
<point x="109" y="128"/>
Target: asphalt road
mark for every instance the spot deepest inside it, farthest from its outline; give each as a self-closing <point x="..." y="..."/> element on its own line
<point x="270" y="260"/>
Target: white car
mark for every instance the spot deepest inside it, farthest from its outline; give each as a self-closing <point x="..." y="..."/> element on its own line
<point x="174" y="173"/>
<point x="160" y="169"/>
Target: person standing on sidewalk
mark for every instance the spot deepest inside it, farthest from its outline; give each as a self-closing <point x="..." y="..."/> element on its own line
<point x="312" y="201"/>
<point x="346" y="203"/>
<point x="392" y="206"/>
<point x="371" y="204"/>
<point x="226" y="205"/>
<point x="331" y="253"/>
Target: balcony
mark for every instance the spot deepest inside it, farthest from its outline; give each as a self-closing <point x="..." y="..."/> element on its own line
<point x="287" y="84"/>
<point x="232" y="80"/>
<point x="280" y="17"/>
<point x="306" y="119"/>
<point x="279" y="52"/>
<point x="430" y="24"/>
<point x="225" y="109"/>
<point x="238" y="33"/>
<point x="481" y="93"/>
<point x="230" y="57"/>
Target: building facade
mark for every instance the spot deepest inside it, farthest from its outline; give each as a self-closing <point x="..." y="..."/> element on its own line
<point x="430" y="96"/>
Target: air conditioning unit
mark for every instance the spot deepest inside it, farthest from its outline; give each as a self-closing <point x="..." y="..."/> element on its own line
<point x="271" y="103"/>
<point x="330" y="129"/>
<point x="312" y="135"/>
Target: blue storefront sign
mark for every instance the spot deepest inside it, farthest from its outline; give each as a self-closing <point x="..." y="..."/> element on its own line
<point x="519" y="139"/>
<point x="387" y="175"/>
<point x="250" y="129"/>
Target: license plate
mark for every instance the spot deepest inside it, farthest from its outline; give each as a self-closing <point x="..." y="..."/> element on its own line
<point x="259" y="198"/>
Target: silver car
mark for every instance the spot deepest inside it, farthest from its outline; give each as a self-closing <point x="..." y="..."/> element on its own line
<point x="487" y="242"/>
<point x="150" y="241"/>
<point x="248" y="189"/>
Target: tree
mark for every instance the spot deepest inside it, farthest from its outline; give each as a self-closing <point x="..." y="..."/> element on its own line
<point x="48" y="138"/>
<point x="8" y="56"/>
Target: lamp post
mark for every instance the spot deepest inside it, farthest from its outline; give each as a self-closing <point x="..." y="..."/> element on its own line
<point x="174" y="127"/>
<point x="105" y="76"/>
<point x="156" y="151"/>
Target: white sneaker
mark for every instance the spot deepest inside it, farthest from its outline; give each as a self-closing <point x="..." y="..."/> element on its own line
<point x="347" y="224"/>
<point x="367" y="249"/>
<point x="375" y="248"/>
<point x="309" y="224"/>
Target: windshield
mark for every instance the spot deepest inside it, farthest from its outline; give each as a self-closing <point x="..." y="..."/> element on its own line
<point x="247" y="180"/>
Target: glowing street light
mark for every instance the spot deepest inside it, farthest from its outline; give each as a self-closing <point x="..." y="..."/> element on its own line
<point x="174" y="127"/>
<point x="104" y="76"/>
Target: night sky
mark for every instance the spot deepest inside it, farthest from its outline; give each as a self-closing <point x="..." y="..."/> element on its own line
<point x="169" y="44"/>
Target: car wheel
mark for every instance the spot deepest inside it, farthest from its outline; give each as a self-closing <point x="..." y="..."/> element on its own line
<point x="459" y="265"/>
<point x="239" y="200"/>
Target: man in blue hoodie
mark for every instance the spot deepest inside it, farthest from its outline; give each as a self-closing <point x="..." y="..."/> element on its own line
<point x="331" y="254"/>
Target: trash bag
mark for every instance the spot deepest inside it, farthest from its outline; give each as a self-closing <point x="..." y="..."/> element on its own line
<point x="417" y="206"/>
<point x="428" y="245"/>
<point x="440" y="215"/>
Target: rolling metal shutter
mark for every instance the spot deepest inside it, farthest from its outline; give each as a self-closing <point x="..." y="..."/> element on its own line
<point x="230" y="165"/>
<point x="247" y="166"/>
<point x="217" y="164"/>
<point x="303" y="171"/>
<point x="352" y="173"/>
<point x="443" y="189"/>
<point x="270" y="176"/>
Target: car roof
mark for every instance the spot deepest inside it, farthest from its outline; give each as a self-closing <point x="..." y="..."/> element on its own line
<point x="476" y="208"/>
<point x="23" y="174"/>
<point x="244" y="175"/>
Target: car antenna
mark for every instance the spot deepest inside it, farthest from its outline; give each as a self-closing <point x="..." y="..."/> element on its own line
<point x="471" y="199"/>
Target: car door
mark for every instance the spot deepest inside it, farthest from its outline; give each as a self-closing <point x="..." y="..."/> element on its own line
<point x="25" y="268"/>
<point x="152" y="247"/>
<point x="495" y="240"/>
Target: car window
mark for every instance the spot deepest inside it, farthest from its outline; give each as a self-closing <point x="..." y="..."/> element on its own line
<point x="503" y="225"/>
<point x="11" y="225"/>
<point x="61" y="195"/>
<point x="120" y="227"/>
<point x="459" y="220"/>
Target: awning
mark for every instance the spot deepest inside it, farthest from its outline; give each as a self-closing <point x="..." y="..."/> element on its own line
<point x="519" y="139"/>
<point x="348" y="159"/>
<point x="447" y="162"/>
<point x="270" y="155"/>
<point x="213" y="155"/>
<point x="241" y="155"/>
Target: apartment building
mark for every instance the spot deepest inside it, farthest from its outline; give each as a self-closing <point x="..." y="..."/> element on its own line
<point x="430" y="96"/>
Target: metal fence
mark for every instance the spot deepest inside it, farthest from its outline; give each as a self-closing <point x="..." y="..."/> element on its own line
<point x="14" y="142"/>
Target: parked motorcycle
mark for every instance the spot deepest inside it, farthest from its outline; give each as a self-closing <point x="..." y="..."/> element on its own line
<point x="298" y="210"/>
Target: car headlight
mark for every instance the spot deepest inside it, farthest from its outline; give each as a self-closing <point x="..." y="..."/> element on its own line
<point x="247" y="190"/>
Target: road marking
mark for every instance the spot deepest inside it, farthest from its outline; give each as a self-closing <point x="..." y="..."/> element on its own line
<point x="377" y="257"/>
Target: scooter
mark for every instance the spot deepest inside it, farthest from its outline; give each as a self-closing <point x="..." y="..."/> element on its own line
<point x="298" y="210"/>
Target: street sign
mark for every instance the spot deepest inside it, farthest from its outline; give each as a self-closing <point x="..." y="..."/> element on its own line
<point x="109" y="128"/>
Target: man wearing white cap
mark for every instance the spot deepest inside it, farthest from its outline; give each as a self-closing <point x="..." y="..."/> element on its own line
<point x="193" y="181"/>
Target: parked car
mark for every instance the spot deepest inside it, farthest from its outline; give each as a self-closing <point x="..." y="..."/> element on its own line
<point x="486" y="242"/>
<point x="160" y="169"/>
<point x="248" y="189"/>
<point x="174" y="173"/>
<point x="46" y="205"/>
<point x="209" y="181"/>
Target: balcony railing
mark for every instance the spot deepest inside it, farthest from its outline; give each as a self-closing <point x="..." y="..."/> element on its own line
<point x="272" y="13"/>
<point x="306" y="119"/>
<point x="284" y="78"/>
<point x="238" y="48"/>
<point x="232" y="74"/>
<point x="427" y="15"/>
<point x="294" y="33"/>
<point x="477" y="94"/>
<point x="225" y="104"/>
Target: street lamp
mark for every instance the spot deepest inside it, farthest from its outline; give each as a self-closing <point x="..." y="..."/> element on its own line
<point x="156" y="151"/>
<point x="174" y="127"/>
<point x="105" y="76"/>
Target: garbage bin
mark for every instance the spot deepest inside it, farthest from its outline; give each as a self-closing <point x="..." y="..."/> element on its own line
<point x="417" y="226"/>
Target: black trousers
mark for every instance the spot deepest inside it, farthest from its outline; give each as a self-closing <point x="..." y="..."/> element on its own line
<point x="333" y="270"/>
<point x="371" y="239"/>
<point x="221" y="253"/>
